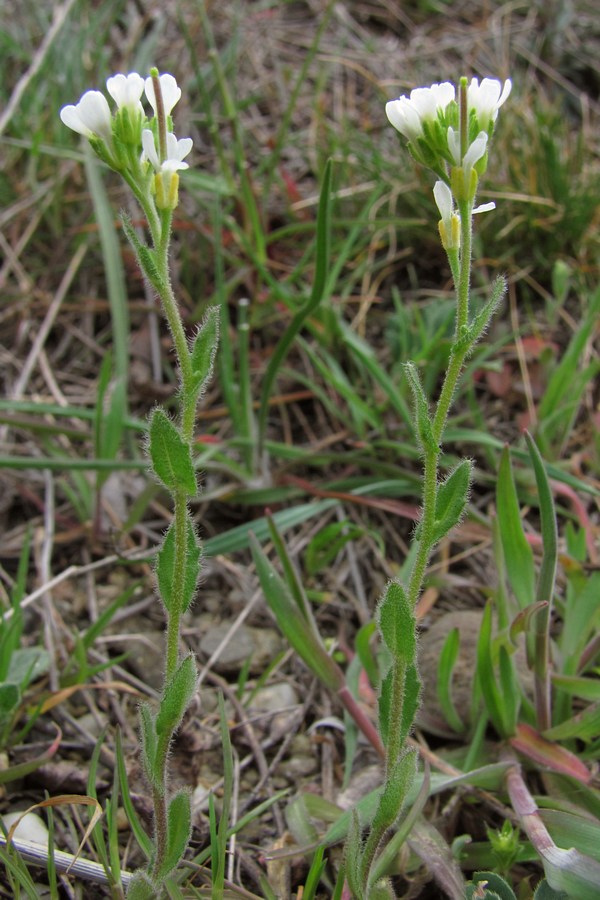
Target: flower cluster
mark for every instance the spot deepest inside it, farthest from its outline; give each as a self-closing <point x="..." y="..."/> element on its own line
<point x="450" y="135"/>
<point x="127" y="141"/>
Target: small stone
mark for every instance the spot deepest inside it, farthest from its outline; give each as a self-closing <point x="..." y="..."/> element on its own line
<point x="31" y="827"/>
<point x="261" y="645"/>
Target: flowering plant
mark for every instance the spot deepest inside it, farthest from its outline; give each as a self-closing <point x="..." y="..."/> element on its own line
<point x="149" y="157"/>
<point x="448" y="131"/>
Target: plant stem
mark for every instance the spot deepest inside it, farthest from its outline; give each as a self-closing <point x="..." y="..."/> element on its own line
<point x="457" y="358"/>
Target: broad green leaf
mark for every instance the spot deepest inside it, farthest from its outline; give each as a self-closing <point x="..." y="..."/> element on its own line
<point x="397" y="623"/>
<point x="451" y="499"/>
<point x="395" y="791"/>
<point x="165" y="566"/>
<point x="170" y="455"/>
<point x="204" y="348"/>
<point x="177" y="696"/>
<point x="141" y="888"/>
<point x="179" y="829"/>
<point x="27" y="664"/>
<point x="10" y="697"/>
<point x="518" y="554"/>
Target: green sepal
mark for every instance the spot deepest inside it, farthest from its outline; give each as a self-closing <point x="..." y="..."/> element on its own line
<point x="177" y="696"/>
<point x="396" y="622"/>
<point x="148" y="741"/>
<point x="179" y="830"/>
<point x="204" y="348"/>
<point x="165" y="566"/>
<point x="170" y="456"/>
<point x="141" y="888"/>
<point x="422" y="418"/>
<point x="145" y="256"/>
<point x="451" y="499"/>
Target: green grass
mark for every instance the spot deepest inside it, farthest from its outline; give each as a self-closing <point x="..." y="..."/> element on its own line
<point x="272" y="93"/>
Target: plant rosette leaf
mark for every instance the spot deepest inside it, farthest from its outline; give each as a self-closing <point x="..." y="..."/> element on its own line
<point x="170" y="456"/>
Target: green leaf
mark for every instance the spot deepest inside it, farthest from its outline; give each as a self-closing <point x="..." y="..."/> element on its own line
<point x="451" y="499"/>
<point x="397" y="623"/>
<point x="177" y="696"/>
<point x="481" y="320"/>
<point x="423" y="423"/>
<point x="179" y="830"/>
<point x="317" y="294"/>
<point x="411" y="701"/>
<point x="27" y="664"/>
<point x="296" y="628"/>
<point x="353" y="852"/>
<point x="395" y="792"/>
<point x="170" y="455"/>
<point x="447" y="661"/>
<point x="205" y="347"/>
<point x="494" y="886"/>
<point x="165" y="566"/>
<point x="545" y="587"/>
<point x="141" y="888"/>
<point x="148" y="740"/>
<point x="517" y="552"/>
<point x="10" y="697"/>
<point x="487" y="679"/>
<point x="145" y="256"/>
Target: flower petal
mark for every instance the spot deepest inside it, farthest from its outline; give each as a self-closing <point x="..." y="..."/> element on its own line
<point x="169" y="89"/>
<point x="443" y="197"/>
<point x="70" y="117"/>
<point x="94" y="113"/>
<point x="126" y="90"/>
<point x="149" y="148"/>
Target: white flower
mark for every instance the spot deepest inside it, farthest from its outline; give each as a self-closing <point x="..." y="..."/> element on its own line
<point x="449" y="224"/>
<point x="425" y="104"/>
<point x="91" y="117"/>
<point x="474" y="153"/>
<point x="126" y="90"/>
<point x="486" y="99"/>
<point x="176" y="151"/>
<point x="169" y="89"/>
